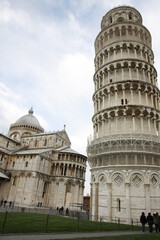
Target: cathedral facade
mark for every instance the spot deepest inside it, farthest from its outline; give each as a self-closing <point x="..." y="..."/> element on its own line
<point x="38" y="168"/>
<point x="124" y="153"/>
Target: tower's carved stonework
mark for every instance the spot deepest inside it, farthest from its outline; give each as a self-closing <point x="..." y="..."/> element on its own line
<point x="124" y="153"/>
<point x="38" y="168"/>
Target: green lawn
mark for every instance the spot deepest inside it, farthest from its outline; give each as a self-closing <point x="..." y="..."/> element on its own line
<point x="130" y="237"/>
<point x="34" y="223"/>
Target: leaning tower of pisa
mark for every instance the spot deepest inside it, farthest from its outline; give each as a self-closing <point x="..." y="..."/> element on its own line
<point x="124" y="153"/>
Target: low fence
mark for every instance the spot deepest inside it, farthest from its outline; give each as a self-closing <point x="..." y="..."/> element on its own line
<point x="79" y="215"/>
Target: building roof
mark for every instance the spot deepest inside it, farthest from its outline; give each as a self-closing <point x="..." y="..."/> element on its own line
<point x="68" y="150"/>
<point x="2" y="175"/>
<point x="29" y="120"/>
<point x="5" y="150"/>
<point x="32" y="151"/>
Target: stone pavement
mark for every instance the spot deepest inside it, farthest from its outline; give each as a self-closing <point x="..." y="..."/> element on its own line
<point x="53" y="236"/>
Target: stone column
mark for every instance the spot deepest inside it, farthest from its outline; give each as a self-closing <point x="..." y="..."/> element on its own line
<point x="131" y="94"/>
<point x="96" y="202"/>
<point x="141" y="117"/>
<point x="149" y="76"/>
<point x="137" y="72"/>
<point x="146" y="95"/>
<point x="154" y="121"/>
<point x="124" y="114"/>
<point x="109" y="98"/>
<point x="128" y="204"/>
<point x="116" y="116"/>
<point x="152" y="98"/>
<point x="103" y="61"/>
<point x="133" y="117"/>
<point x="109" y="205"/>
<point x="115" y="96"/>
<point x="130" y="73"/>
<point x="122" y="73"/>
<point x="123" y="92"/>
<point x="121" y="51"/>
<point x="148" y="200"/>
<point x="103" y="77"/>
<point x="109" y="124"/>
<point x="91" y="201"/>
<point x="149" y="123"/>
<point x="103" y="127"/>
<point x="103" y="101"/>
<point x="139" y="93"/>
<point x="135" y="52"/>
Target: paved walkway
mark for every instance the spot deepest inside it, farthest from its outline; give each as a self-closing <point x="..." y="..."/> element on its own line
<point x="53" y="236"/>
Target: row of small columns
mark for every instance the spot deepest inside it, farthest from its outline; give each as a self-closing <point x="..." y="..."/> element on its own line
<point x="97" y="100"/>
<point x="99" y="79"/>
<point x="107" y="55"/>
<point x="101" y="123"/>
<point x="68" y="157"/>
<point x="107" y="36"/>
<point x="128" y="206"/>
<point x="68" y="170"/>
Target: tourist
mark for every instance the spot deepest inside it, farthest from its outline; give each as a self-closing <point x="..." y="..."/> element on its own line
<point x="150" y="222"/>
<point x="67" y="211"/>
<point x="10" y="204"/>
<point x="1" y="202"/>
<point x="156" y="221"/>
<point x="143" y="220"/>
<point x="4" y="203"/>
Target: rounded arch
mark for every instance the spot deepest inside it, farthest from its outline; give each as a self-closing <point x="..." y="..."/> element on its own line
<point x="137" y="179"/>
<point x="102" y="178"/>
<point x="118" y="178"/>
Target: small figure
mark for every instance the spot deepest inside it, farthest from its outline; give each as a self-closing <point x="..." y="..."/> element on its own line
<point x="4" y="203"/>
<point x="1" y="202"/>
<point x="150" y="222"/>
<point x="156" y="221"/>
<point x="143" y="220"/>
<point x="10" y="204"/>
<point x="67" y="211"/>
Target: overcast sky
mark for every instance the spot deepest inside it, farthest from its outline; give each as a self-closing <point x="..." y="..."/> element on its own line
<point x="47" y="61"/>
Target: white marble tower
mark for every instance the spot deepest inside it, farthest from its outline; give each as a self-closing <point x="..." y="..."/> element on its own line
<point x="124" y="154"/>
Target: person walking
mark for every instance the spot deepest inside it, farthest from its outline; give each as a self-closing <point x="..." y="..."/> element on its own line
<point x="143" y="220"/>
<point x="156" y="221"/>
<point x="150" y="222"/>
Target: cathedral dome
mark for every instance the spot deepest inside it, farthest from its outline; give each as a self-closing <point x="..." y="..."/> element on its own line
<point x="28" y="119"/>
<point x="25" y="125"/>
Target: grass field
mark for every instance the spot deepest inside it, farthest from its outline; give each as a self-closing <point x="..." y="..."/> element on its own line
<point x="37" y="223"/>
<point x="133" y="237"/>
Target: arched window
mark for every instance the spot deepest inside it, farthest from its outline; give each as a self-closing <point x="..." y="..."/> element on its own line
<point x="130" y="16"/>
<point x="26" y="165"/>
<point x="110" y="20"/>
<point x="36" y="142"/>
<point x="7" y="145"/>
<point x="44" y="189"/>
<point x="65" y="170"/>
<point x="45" y="142"/>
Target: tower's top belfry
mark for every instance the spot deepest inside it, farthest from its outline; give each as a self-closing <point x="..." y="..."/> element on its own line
<point x="121" y="14"/>
<point x="120" y="22"/>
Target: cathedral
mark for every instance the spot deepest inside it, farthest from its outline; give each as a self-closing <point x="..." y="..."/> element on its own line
<point x="39" y="168"/>
<point x="124" y="153"/>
